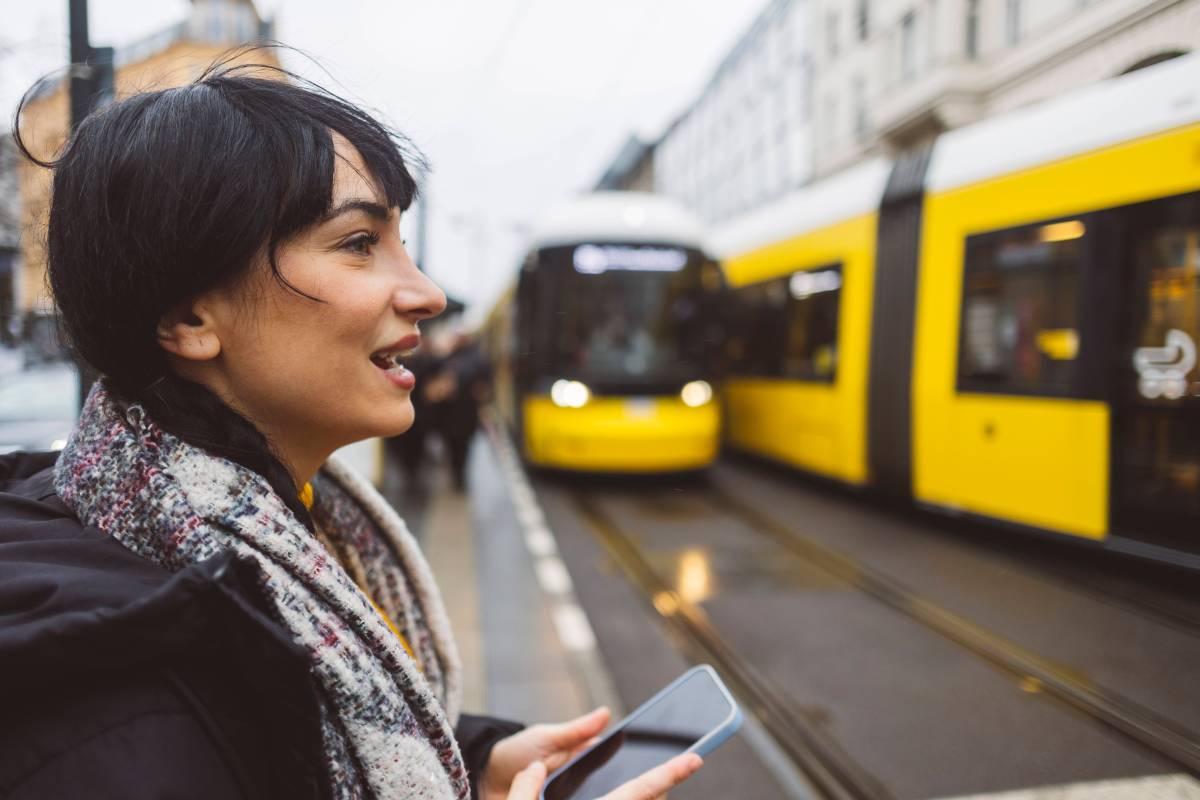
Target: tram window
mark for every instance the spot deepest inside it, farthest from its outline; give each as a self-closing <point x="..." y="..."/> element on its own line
<point x="787" y="327"/>
<point x="626" y="326"/>
<point x="1168" y="262"/>
<point x="1020" y="329"/>
<point x="1156" y="476"/>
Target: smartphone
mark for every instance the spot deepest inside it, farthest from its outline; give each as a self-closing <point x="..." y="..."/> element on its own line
<point x="694" y="714"/>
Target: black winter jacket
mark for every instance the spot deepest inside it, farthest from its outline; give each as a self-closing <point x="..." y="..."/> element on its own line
<point x="119" y="679"/>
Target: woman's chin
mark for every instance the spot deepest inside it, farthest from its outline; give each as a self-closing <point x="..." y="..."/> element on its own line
<point x="392" y="420"/>
<point x="398" y="422"/>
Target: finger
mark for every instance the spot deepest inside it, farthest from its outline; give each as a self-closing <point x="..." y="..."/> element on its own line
<point x="528" y="782"/>
<point x="568" y="735"/>
<point x="590" y="743"/>
<point x="660" y="780"/>
<point x="557" y="759"/>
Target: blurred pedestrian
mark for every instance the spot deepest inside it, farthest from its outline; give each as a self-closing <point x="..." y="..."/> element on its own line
<point x="459" y="384"/>
<point x="410" y="446"/>
<point x="196" y="600"/>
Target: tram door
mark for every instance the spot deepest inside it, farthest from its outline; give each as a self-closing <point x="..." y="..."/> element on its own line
<point x="1156" y="380"/>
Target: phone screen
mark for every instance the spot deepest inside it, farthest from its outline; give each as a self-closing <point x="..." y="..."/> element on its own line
<point x="651" y="736"/>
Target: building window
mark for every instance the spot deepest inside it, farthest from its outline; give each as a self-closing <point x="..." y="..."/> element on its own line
<point x="806" y="92"/>
<point x="830" y="122"/>
<point x="1012" y="22"/>
<point x="1021" y="318"/>
<point x="972" y="47"/>
<point x="931" y="35"/>
<point x="908" y="46"/>
<point x="788" y="327"/>
<point x="863" y="20"/>
<point x="860" y="109"/>
<point x="831" y="34"/>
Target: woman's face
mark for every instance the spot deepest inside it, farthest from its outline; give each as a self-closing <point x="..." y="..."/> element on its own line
<point x="318" y="375"/>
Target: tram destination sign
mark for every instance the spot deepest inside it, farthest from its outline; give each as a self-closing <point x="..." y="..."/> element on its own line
<point x="596" y="259"/>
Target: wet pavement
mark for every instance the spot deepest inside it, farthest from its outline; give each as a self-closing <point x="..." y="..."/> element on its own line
<point x="925" y="658"/>
<point x="1017" y="593"/>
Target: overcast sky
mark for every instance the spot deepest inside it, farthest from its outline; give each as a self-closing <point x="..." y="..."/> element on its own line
<point x="517" y="103"/>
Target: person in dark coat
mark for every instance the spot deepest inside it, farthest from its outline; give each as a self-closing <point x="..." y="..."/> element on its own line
<point x="410" y="446"/>
<point x="196" y="598"/>
<point x="459" y="384"/>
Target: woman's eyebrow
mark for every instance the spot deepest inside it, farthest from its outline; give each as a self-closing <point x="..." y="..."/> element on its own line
<point x="376" y="210"/>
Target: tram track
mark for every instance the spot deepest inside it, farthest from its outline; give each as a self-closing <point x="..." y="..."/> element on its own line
<point x="1160" y="612"/>
<point x="831" y="769"/>
<point x="1144" y="726"/>
<point x="1161" y="608"/>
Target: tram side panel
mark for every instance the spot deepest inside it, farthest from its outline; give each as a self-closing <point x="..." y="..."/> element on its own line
<point x="797" y="385"/>
<point x="1015" y="361"/>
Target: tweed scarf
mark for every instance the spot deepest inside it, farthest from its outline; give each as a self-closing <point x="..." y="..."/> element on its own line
<point x="387" y="727"/>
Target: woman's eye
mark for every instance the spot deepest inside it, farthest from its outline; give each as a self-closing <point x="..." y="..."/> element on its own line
<point x="362" y="243"/>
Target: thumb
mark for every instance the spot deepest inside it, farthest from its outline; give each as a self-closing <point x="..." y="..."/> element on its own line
<point x="569" y="735"/>
<point x="527" y="783"/>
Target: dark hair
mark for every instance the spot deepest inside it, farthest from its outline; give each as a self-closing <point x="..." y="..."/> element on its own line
<point x="165" y="194"/>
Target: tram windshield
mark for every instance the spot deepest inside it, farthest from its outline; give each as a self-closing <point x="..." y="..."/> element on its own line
<point x="630" y="318"/>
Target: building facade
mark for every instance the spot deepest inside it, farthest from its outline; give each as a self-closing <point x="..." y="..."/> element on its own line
<point x="746" y="139"/>
<point x="168" y="58"/>
<point x="816" y="86"/>
<point x="889" y="75"/>
<point x="632" y="169"/>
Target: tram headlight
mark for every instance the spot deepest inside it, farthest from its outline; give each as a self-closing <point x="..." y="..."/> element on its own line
<point x="570" y="394"/>
<point x="696" y="394"/>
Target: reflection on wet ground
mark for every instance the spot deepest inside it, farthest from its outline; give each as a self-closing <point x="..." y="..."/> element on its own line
<point x="698" y="574"/>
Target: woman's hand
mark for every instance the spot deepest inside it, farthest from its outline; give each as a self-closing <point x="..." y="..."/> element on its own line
<point x="551" y="745"/>
<point x="652" y="785"/>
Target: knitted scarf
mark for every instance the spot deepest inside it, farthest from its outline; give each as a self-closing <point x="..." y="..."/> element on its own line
<point x="387" y="726"/>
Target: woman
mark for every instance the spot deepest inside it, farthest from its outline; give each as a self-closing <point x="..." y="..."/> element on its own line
<point x="196" y="600"/>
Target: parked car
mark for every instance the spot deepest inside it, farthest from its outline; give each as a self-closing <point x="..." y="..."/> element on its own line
<point x="38" y="407"/>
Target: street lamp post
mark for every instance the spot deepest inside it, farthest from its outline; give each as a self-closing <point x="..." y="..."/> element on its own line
<point x="91" y="83"/>
<point x="81" y="52"/>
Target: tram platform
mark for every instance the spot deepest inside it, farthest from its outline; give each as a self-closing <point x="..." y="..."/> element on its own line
<point x="525" y="657"/>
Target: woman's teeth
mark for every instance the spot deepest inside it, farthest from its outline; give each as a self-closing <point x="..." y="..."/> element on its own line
<point x="388" y="361"/>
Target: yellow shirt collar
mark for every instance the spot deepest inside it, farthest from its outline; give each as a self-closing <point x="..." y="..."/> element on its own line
<point x="306" y="496"/>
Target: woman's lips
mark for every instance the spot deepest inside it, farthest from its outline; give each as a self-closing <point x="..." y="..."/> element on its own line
<point x="390" y="361"/>
<point x="396" y="372"/>
<point x="402" y="378"/>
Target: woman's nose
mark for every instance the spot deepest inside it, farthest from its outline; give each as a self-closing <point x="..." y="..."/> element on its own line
<point x="420" y="297"/>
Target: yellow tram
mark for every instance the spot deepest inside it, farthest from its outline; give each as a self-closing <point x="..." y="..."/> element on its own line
<point x="1002" y="326"/>
<point x="603" y="349"/>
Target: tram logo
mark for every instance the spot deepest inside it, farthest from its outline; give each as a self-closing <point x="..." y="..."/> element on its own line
<point x="1163" y="371"/>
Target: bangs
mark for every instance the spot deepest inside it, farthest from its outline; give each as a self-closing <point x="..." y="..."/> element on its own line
<point x="290" y="127"/>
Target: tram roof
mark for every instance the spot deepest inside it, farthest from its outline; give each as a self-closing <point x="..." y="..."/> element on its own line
<point x="848" y="194"/>
<point x="1141" y="103"/>
<point x="631" y="217"/>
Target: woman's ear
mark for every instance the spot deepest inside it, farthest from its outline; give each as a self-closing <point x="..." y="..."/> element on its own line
<point x="187" y="331"/>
